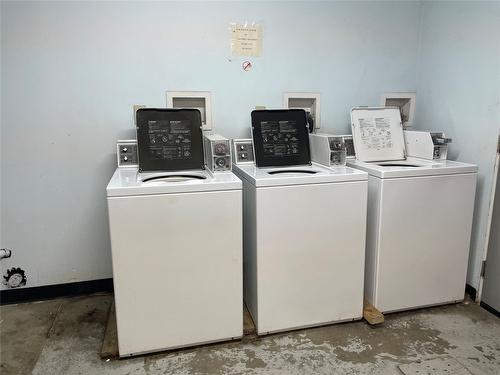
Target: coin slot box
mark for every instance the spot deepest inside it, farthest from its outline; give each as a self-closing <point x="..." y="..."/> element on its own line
<point x="217" y="152"/>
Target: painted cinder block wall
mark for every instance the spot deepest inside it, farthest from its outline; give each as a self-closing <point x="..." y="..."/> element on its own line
<point x="71" y="72"/>
<point x="458" y="86"/>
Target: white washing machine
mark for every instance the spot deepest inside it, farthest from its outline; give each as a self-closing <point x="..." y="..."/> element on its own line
<point x="419" y="217"/>
<point x="176" y="241"/>
<point x="303" y="229"/>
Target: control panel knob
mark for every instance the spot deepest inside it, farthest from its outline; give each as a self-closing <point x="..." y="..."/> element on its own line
<point x="220" y="162"/>
<point x="242" y="148"/>
<point x="243" y="156"/>
<point x="124" y="149"/>
<point x="125" y="158"/>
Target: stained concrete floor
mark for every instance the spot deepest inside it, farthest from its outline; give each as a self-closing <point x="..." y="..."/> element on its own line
<point x="64" y="336"/>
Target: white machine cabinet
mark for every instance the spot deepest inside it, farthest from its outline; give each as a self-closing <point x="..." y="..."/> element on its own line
<point x="304" y="240"/>
<point x="419" y="218"/>
<point x="176" y="239"/>
<point x="303" y="229"/>
<point x="177" y="261"/>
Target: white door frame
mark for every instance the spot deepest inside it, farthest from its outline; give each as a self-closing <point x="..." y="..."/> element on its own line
<point x="490" y="218"/>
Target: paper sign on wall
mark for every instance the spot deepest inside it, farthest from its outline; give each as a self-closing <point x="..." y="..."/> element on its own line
<point x="246" y="40"/>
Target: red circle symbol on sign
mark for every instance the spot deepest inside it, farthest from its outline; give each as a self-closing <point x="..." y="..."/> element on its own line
<point x="247" y="65"/>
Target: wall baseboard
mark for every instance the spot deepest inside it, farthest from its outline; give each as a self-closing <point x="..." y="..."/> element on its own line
<point x="37" y="293"/>
<point x="471" y="291"/>
<point x="490" y="309"/>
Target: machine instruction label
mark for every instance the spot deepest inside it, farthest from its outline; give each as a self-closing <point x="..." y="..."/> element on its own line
<point x="280" y="138"/>
<point x="376" y="132"/>
<point x="170" y="139"/>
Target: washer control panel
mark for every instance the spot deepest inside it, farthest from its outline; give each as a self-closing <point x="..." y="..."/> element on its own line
<point x="426" y="145"/>
<point x="243" y="151"/>
<point x="126" y="153"/>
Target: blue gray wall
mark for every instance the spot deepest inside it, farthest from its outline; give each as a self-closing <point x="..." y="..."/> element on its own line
<point x="71" y="72"/>
<point x="459" y="93"/>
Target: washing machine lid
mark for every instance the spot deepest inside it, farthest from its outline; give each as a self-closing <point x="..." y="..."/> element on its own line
<point x="169" y="139"/>
<point x="377" y="133"/>
<point x="296" y="175"/>
<point x="412" y="167"/>
<point x="130" y="182"/>
<point x="280" y="137"/>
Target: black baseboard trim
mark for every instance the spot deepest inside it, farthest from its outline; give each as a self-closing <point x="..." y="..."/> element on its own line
<point x="490" y="309"/>
<point x="471" y="291"/>
<point x="38" y="293"/>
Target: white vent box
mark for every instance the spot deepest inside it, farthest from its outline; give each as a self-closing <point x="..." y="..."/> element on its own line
<point x="201" y="100"/>
<point x="405" y="101"/>
<point x="308" y="101"/>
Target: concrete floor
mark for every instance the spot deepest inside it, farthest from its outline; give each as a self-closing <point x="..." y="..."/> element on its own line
<point x="64" y="336"/>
